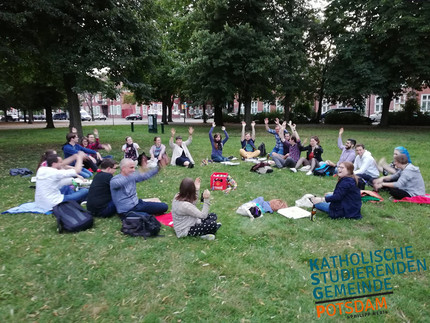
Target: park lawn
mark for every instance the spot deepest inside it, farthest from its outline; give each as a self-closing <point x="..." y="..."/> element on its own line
<point x="253" y="272"/>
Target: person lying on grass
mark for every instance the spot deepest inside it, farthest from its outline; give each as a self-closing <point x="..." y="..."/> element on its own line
<point x="407" y="182"/>
<point x="345" y="202"/>
<point x="188" y="220"/>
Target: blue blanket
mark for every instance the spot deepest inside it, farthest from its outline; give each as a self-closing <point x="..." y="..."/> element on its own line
<point x="30" y="207"/>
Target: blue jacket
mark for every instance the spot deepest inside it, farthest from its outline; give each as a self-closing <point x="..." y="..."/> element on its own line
<point x="346" y="200"/>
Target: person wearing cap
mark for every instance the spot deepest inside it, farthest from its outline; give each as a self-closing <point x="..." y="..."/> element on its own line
<point x="99" y="199"/>
<point x="181" y="155"/>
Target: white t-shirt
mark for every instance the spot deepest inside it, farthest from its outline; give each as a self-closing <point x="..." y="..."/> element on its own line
<point x="48" y="184"/>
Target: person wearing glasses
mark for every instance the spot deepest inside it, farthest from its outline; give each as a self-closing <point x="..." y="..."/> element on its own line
<point x="345" y="202"/>
<point x="99" y="199"/>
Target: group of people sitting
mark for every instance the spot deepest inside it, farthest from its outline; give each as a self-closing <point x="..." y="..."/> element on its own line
<point x="109" y="195"/>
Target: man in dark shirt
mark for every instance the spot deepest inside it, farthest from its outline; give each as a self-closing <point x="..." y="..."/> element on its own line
<point x="99" y="196"/>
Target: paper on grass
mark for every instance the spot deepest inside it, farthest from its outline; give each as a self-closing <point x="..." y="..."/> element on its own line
<point x="294" y="212"/>
<point x="229" y="163"/>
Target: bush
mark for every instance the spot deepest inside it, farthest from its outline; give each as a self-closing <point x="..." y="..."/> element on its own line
<point x="404" y="118"/>
<point x="347" y="118"/>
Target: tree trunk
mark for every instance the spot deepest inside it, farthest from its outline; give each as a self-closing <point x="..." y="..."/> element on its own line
<point x="287" y="104"/>
<point x="30" y="117"/>
<point x="72" y="103"/>
<point x="49" y="120"/>
<point x="386" y="100"/>
<point x="248" y="117"/>
<point x="164" y="118"/>
<point x="205" y="116"/>
<point x="218" y="114"/>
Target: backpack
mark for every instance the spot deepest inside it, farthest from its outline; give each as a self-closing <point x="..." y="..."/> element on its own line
<point x="324" y="170"/>
<point x="262" y="149"/>
<point x="72" y="217"/>
<point x="261" y="168"/>
<point x="139" y="224"/>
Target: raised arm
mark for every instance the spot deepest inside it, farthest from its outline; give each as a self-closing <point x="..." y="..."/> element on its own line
<point x="294" y="130"/>
<point x="172" y="132"/>
<point x="242" y="136"/>
<point x="225" y="135"/>
<point x="79" y="161"/>
<point x="339" y="139"/>
<point x="266" y="124"/>
<point x="253" y="130"/>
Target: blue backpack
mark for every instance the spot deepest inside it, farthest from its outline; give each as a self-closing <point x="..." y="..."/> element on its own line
<point x="72" y="217"/>
<point x="324" y="170"/>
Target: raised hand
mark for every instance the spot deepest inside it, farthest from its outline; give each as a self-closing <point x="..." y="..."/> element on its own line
<point x="172" y="131"/>
<point x="190" y="130"/>
<point x="96" y="132"/>
<point x="266" y="120"/>
<point x="223" y="128"/>
<point x="213" y="125"/>
<point x="276" y="121"/>
<point x="252" y="123"/>
<point x="244" y="124"/>
<point x="206" y="194"/>
<point x="197" y="183"/>
<point x="340" y="131"/>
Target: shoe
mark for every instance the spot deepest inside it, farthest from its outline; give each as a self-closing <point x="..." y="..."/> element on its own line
<point x="243" y="158"/>
<point x="230" y="157"/>
<point x="233" y="158"/>
<point x="83" y="203"/>
<point x="293" y="170"/>
<point x="309" y="173"/>
<point x="208" y="237"/>
<point x="191" y="166"/>
<point x="218" y="225"/>
<point x="305" y="168"/>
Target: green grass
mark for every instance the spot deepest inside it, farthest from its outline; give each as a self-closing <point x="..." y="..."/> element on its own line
<point x="253" y="272"/>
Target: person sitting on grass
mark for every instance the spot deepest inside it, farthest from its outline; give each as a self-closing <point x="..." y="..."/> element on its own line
<point x="99" y="199"/>
<point x="348" y="151"/>
<point x="94" y="144"/>
<point x="364" y="166"/>
<point x="407" y="182"/>
<point x="130" y="149"/>
<point x="85" y="143"/>
<point x="313" y="157"/>
<point x="345" y="202"/>
<point x="72" y="147"/>
<point x="247" y="141"/>
<point x="50" y="188"/>
<point x="292" y="148"/>
<point x="218" y="144"/>
<point x="123" y="190"/>
<point x="188" y="220"/>
<point x="158" y="152"/>
<point x="387" y="169"/>
<point x="277" y="133"/>
<point x="181" y="155"/>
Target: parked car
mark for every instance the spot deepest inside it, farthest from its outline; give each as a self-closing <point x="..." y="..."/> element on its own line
<point x="10" y="117"/>
<point x="375" y="117"/>
<point x="39" y="117"/>
<point x="85" y="116"/>
<point x="337" y="111"/>
<point x="198" y="116"/>
<point x="60" y="116"/>
<point x="100" y="116"/>
<point x="134" y="116"/>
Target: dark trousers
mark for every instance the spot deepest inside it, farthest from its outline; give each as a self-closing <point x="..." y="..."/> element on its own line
<point x="108" y="211"/>
<point x="150" y="207"/>
<point x="364" y="179"/>
<point x="208" y="226"/>
<point x="397" y="193"/>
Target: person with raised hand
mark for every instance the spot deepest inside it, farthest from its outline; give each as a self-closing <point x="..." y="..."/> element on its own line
<point x="247" y="140"/>
<point x="188" y="220"/>
<point x="217" y="144"/>
<point x="291" y="146"/>
<point x="279" y="148"/>
<point x="181" y="155"/>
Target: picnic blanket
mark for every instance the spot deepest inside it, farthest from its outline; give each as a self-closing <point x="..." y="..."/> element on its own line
<point x="423" y="199"/>
<point x="29" y="207"/>
<point x="165" y="219"/>
<point x="370" y="196"/>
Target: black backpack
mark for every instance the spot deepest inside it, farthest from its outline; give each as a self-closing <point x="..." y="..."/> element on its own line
<point x="324" y="170"/>
<point x="262" y="149"/>
<point x="72" y="217"/>
<point x="137" y="224"/>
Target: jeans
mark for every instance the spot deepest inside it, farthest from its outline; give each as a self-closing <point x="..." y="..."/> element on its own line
<point x="150" y="207"/>
<point x="85" y="173"/>
<point x="279" y="151"/>
<point x="324" y="206"/>
<point x="280" y="162"/>
<point x="78" y="196"/>
<point x="217" y="158"/>
<point x="108" y="211"/>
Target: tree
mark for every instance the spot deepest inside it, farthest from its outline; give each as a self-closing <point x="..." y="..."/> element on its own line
<point x="232" y="53"/>
<point x="382" y="48"/>
<point x="74" y="39"/>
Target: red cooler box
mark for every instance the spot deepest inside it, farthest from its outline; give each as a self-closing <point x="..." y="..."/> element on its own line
<point x="219" y="181"/>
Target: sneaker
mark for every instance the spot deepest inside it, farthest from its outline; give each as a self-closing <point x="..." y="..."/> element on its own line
<point x="309" y="173"/>
<point x="230" y="157"/>
<point x="234" y="158"/>
<point x="208" y="237"/>
<point x="293" y="170"/>
<point x="305" y="168"/>
<point x="218" y="225"/>
<point x="191" y="166"/>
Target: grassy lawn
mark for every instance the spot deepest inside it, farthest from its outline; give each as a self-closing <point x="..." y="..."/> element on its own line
<point x="253" y="272"/>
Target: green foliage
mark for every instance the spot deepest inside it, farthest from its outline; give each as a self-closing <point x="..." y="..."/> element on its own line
<point x="404" y="118"/>
<point x="411" y="106"/>
<point x="254" y="271"/>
